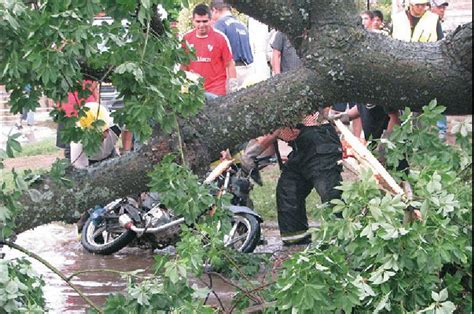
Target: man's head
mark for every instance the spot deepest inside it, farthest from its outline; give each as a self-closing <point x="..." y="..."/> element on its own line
<point x="418" y="7"/>
<point x="202" y="19"/>
<point x="439" y="7"/>
<point x="367" y="18"/>
<point x="219" y="8"/>
<point x="377" y="21"/>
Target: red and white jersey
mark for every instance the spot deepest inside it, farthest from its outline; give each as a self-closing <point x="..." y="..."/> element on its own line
<point x="212" y="55"/>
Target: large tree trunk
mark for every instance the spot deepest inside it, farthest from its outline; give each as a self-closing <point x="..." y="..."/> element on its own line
<point x="342" y="62"/>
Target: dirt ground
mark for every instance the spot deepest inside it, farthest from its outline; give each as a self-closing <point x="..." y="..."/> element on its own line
<point x="33" y="162"/>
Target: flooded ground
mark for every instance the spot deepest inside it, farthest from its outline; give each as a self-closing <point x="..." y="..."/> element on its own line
<point x="59" y="244"/>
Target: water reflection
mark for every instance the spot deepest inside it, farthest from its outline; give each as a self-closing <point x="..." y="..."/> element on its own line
<point x="59" y="244"/>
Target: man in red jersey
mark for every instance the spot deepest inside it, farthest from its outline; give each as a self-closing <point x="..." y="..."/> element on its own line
<point x="214" y="60"/>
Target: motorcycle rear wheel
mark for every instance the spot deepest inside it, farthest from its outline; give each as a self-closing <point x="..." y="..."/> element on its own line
<point x="97" y="240"/>
<point x="245" y="233"/>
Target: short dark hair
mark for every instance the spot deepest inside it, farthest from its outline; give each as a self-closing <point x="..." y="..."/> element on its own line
<point x="201" y="10"/>
<point x="220" y="4"/>
<point x="369" y="13"/>
<point x="378" y="13"/>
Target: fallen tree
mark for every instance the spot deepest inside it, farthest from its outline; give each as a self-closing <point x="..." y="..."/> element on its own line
<point x="342" y="62"/>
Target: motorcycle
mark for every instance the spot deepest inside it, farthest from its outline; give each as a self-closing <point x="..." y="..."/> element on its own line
<point x="110" y="228"/>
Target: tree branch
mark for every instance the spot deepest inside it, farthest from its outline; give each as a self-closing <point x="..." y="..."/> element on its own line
<point x="372" y="68"/>
<point x="291" y="17"/>
<point x="54" y="270"/>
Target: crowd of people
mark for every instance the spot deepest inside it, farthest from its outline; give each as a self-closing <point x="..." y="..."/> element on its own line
<point x="224" y="59"/>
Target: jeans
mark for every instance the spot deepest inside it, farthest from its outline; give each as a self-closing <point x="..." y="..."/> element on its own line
<point x="442" y="126"/>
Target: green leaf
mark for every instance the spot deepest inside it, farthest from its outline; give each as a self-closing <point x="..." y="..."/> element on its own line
<point x="4" y="213"/>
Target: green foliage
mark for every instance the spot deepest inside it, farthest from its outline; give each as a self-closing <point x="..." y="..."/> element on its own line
<point x="38" y="148"/>
<point x="368" y="261"/>
<point x="9" y="205"/>
<point x="20" y="288"/>
<point x="47" y="46"/>
<point x="15" y="183"/>
<point x="316" y="282"/>
<point x="180" y="190"/>
<point x="394" y="266"/>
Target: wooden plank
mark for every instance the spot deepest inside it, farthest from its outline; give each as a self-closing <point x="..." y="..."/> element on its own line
<point x="367" y="160"/>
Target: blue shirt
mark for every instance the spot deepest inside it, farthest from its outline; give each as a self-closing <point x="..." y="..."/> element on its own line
<point x="238" y="36"/>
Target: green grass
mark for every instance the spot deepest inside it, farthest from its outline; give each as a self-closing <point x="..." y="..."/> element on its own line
<point x="264" y="197"/>
<point x="44" y="147"/>
<point x="6" y="176"/>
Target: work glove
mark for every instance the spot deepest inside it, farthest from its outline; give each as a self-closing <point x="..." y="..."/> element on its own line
<point x="343" y="117"/>
<point x="252" y="151"/>
<point x="233" y="85"/>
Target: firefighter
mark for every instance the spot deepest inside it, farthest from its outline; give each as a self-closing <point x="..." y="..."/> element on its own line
<point x="417" y="24"/>
<point x="313" y="163"/>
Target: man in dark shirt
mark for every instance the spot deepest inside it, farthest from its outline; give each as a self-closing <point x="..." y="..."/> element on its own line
<point x="238" y="36"/>
<point x="284" y="57"/>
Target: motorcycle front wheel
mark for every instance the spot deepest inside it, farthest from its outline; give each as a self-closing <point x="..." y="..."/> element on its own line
<point x="98" y="238"/>
<point x="244" y="235"/>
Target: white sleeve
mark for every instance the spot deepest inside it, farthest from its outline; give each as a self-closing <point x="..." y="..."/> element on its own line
<point x="78" y="156"/>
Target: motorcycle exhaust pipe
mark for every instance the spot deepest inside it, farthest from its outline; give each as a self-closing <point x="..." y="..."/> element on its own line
<point x="127" y="223"/>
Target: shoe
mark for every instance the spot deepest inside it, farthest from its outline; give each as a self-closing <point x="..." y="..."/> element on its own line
<point x="305" y="241"/>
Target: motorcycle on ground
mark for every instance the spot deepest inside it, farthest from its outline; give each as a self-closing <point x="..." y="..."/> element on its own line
<point x="146" y="221"/>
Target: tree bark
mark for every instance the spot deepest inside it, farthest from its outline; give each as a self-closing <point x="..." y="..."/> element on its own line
<point x="342" y="63"/>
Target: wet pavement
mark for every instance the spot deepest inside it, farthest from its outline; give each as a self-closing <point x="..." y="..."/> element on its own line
<point x="59" y="244"/>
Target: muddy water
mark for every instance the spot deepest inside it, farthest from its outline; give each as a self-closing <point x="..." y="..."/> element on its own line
<point x="59" y="244"/>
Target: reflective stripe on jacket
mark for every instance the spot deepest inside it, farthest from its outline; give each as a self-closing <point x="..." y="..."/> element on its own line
<point x="425" y="30"/>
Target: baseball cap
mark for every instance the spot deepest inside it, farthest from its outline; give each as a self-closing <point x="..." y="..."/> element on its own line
<point x="438" y="3"/>
<point x="413" y="2"/>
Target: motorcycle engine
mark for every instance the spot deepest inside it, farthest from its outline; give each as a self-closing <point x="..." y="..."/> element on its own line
<point x="157" y="216"/>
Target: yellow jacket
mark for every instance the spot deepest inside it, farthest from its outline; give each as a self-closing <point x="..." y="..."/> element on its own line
<point x="425" y="30"/>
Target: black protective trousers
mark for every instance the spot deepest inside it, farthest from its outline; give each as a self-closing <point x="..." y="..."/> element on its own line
<point x="312" y="164"/>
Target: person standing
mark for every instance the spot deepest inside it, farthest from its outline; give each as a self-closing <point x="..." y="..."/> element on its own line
<point x="367" y="20"/>
<point x="284" y="56"/>
<point x="313" y="164"/>
<point x="417" y="24"/>
<point x="214" y="61"/>
<point x="378" y="24"/>
<point x="238" y="36"/>
<point x="439" y="7"/>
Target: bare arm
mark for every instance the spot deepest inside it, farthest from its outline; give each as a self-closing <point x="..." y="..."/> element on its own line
<point x="276" y="62"/>
<point x="353" y="113"/>
<point x="231" y="71"/>
<point x="394" y="120"/>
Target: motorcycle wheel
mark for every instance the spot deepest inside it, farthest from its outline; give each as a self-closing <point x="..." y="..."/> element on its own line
<point x="245" y="233"/>
<point x="97" y="240"/>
